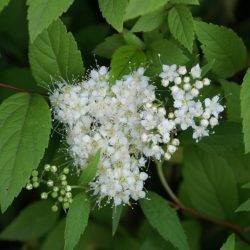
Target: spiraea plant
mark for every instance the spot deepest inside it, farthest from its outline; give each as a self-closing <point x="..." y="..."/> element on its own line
<point x="138" y="119"/>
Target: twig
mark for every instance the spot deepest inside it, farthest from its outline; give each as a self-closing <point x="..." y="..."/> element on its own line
<point x="177" y="204"/>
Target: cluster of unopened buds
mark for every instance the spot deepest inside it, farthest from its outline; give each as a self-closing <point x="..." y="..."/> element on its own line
<point x="129" y="125"/>
<point x="55" y="180"/>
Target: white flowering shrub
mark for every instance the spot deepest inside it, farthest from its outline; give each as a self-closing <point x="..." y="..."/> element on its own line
<point x="138" y="119"/>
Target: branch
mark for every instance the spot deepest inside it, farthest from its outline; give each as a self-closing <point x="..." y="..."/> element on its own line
<point x="179" y="205"/>
<point x="16" y="89"/>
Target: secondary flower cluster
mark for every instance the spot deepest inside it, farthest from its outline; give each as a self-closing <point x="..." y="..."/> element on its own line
<point x="129" y="125"/>
<point x="189" y="111"/>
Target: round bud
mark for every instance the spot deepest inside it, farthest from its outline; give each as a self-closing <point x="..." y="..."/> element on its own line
<point x="55" y="189"/>
<point x="206" y="81"/>
<point x="70" y="200"/>
<point x="54" y="208"/>
<point x="35" y="178"/>
<point x="44" y="196"/>
<point x="194" y="92"/>
<point x="171" y="149"/>
<point x="47" y="167"/>
<point x="62" y="192"/>
<point x="54" y="194"/>
<point x="199" y="84"/>
<point x="68" y="194"/>
<point x="68" y="188"/>
<point x="63" y="177"/>
<point x="175" y="142"/>
<point x="187" y="86"/>
<point x="186" y="79"/>
<point x="36" y="184"/>
<point x="206" y="115"/>
<point x="34" y="173"/>
<point x="50" y="183"/>
<point x="213" y="121"/>
<point x="171" y="115"/>
<point x="182" y="70"/>
<point x="29" y="186"/>
<point x="165" y="82"/>
<point x="60" y="199"/>
<point x="53" y="169"/>
<point x="167" y="156"/>
<point x="64" y="183"/>
<point x="66" y="205"/>
<point x="177" y="80"/>
<point x="65" y="170"/>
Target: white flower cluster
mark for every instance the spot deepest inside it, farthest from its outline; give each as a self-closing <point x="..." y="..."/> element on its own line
<point x="189" y="111"/>
<point x="124" y="121"/>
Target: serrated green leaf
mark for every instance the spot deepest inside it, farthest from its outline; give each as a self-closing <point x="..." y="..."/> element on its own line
<point x="54" y="56"/>
<point x="76" y="220"/>
<point x="164" y="52"/>
<point x="206" y="68"/>
<point x="108" y="47"/>
<point x="149" y="21"/>
<point x="113" y="11"/>
<point x="125" y="59"/>
<point x="3" y="3"/>
<point x="232" y="94"/>
<point x="181" y="25"/>
<point x="136" y="8"/>
<point x="132" y="39"/>
<point x="244" y="206"/>
<point x="193" y="2"/>
<point x="192" y="229"/>
<point x="116" y="216"/>
<point x="223" y="45"/>
<point x="229" y="244"/>
<point x="25" y="124"/>
<point x="89" y="173"/>
<point x="54" y="239"/>
<point x="245" y="110"/>
<point x="32" y="222"/>
<point x="211" y="183"/>
<point x="42" y="13"/>
<point x="164" y="219"/>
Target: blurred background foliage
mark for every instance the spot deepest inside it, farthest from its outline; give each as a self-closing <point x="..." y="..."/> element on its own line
<point x="85" y="21"/>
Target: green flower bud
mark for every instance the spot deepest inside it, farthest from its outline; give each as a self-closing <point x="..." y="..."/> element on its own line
<point x="64" y="183"/>
<point x="66" y="205"/>
<point x="44" y="196"/>
<point x="68" y="188"/>
<point x="54" y="194"/>
<point x="29" y="186"/>
<point x="50" y="183"/>
<point x="62" y="192"/>
<point x="47" y="167"/>
<point x="63" y="177"/>
<point x="70" y="200"/>
<point x="65" y="170"/>
<point x="55" y="189"/>
<point x="53" y="169"/>
<point x="54" y="208"/>
<point x="60" y="199"/>
<point x="68" y="194"/>
<point x="65" y="200"/>
<point x="36" y="184"/>
<point x="35" y="178"/>
<point x="34" y="173"/>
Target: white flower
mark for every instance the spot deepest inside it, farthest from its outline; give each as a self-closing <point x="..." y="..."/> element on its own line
<point x="196" y="71"/>
<point x="213" y="106"/>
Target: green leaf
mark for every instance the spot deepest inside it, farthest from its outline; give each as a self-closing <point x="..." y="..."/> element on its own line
<point x="247" y="185"/>
<point x="229" y="244"/>
<point x="42" y="13"/>
<point x="149" y="21"/>
<point x="89" y="173"/>
<point x="192" y="229"/>
<point x="116" y="216"/>
<point x="232" y="94"/>
<point x="54" y="239"/>
<point x="54" y="56"/>
<point x="206" y="68"/>
<point x="132" y="39"/>
<point x="245" y="110"/>
<point x="125" y="59"/>
<point x="211" y="184"/>
<point x="136" y="8"/>
<point x="164" y="220"/>
<point x="76" y="220"/>
<point x="181" y="25"/>
<point x="193" y="2"/>
<point x="223" y="45"/>
<point x="113" y="11"/>
<point x="25" y="124"/>
<point x="164" y="52"/>
<point x="33" y="222"/>
<point x="108" y="47"/>
<point x="244" y="206"/>
<point x="3" y="3"/>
